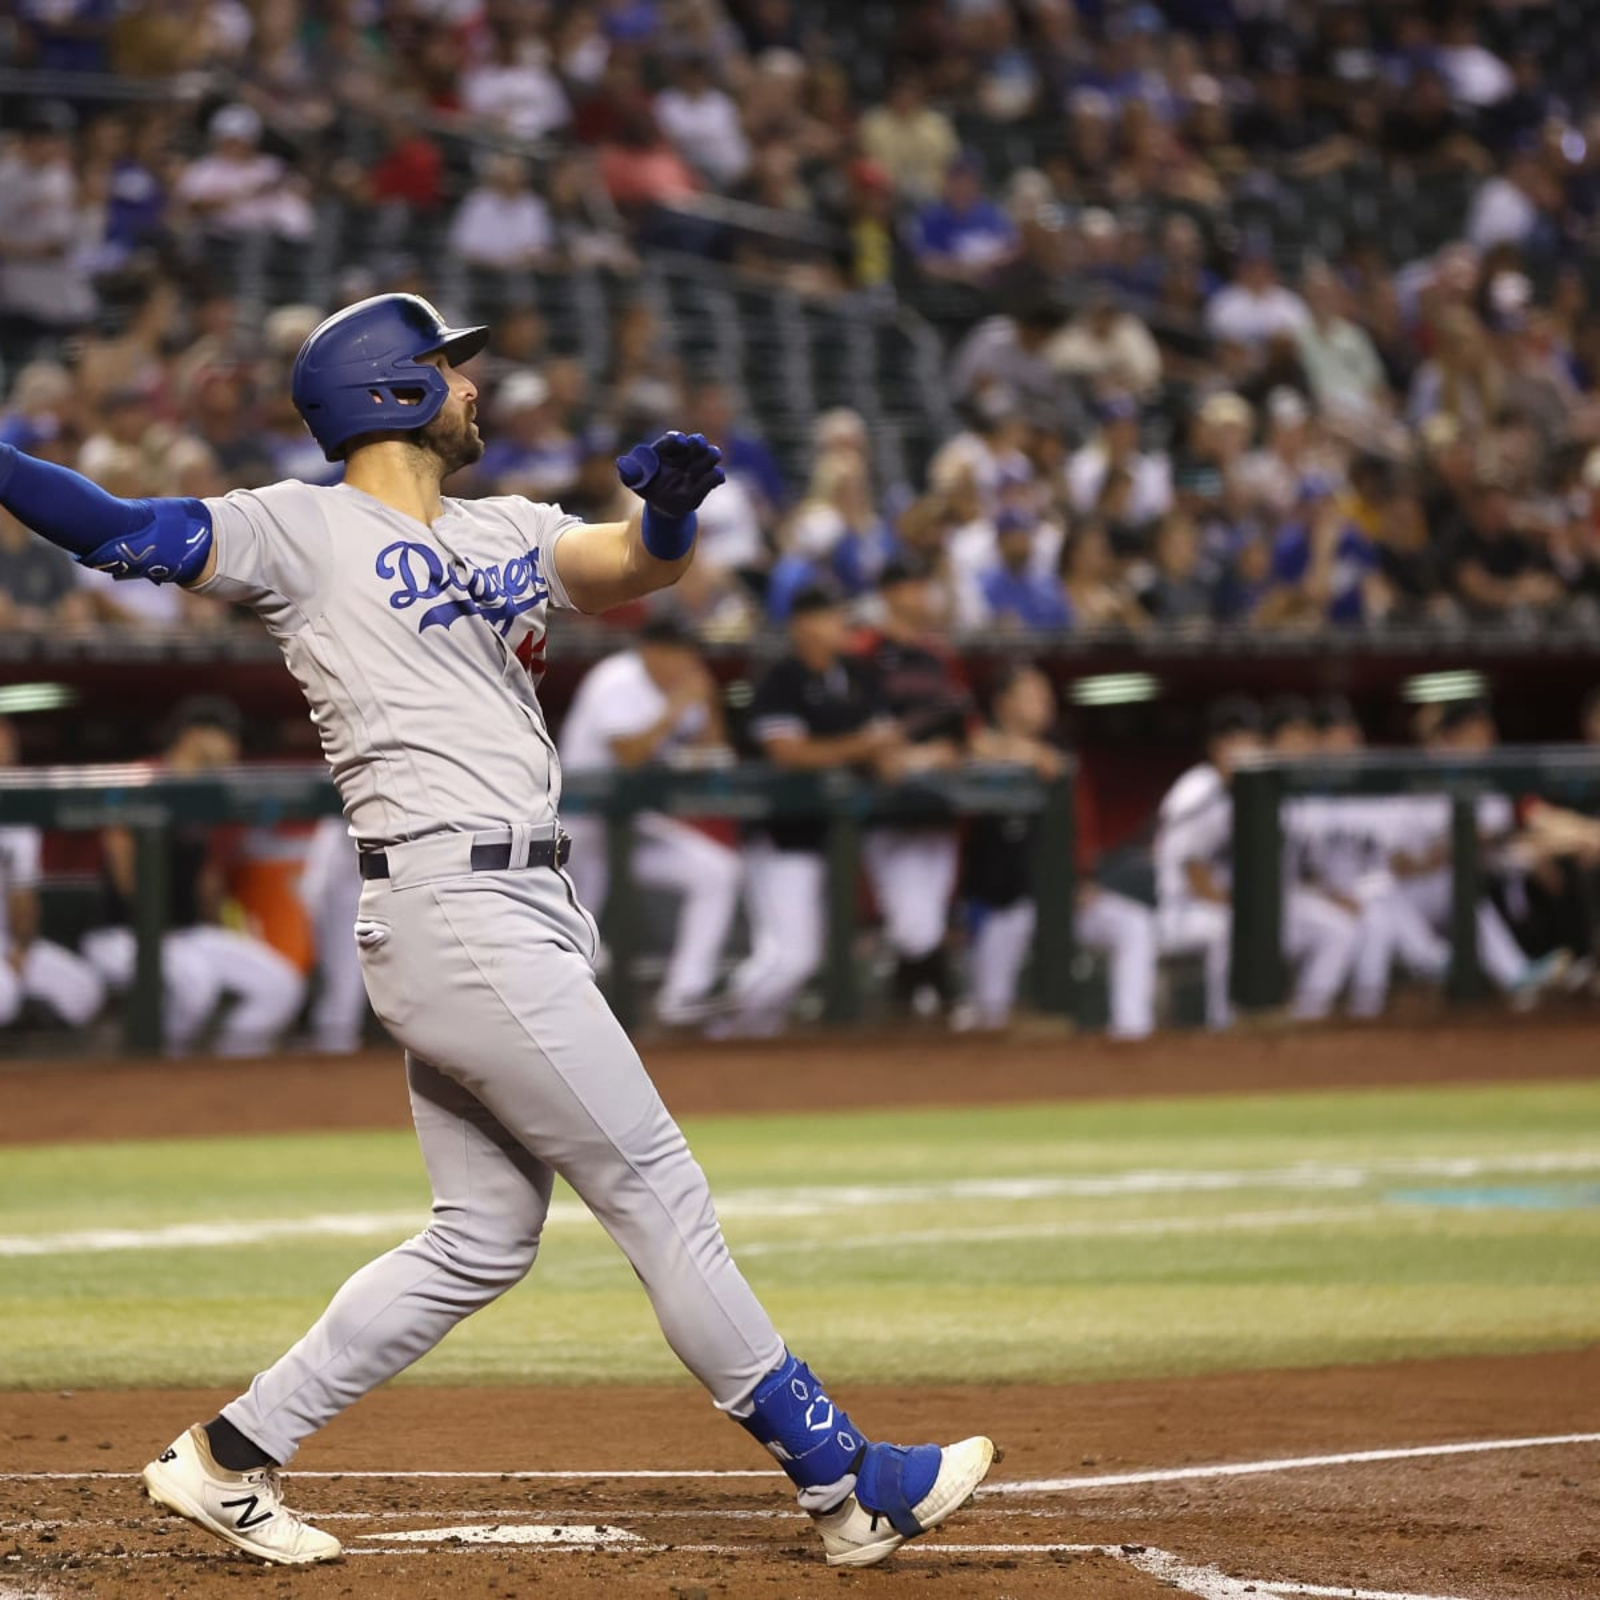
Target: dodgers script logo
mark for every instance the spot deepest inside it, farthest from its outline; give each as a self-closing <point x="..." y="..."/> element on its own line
<point x="497" y="594"/>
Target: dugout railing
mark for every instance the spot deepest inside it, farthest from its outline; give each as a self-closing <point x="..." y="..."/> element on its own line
<point x="151" y="803"/>
<point x="1566" y="775"/>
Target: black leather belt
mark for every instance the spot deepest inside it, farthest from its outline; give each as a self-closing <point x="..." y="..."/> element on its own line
<point x="485" y="857"/>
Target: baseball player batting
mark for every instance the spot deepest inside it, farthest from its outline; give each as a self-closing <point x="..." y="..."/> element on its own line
<point x="414" y="624"/>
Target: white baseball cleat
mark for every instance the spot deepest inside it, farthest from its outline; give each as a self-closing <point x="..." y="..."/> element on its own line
<point x="859" y="1534"/>
<point x="245" y="1508"/>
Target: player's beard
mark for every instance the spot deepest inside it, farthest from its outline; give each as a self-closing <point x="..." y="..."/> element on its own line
<point x="452" y="438"/>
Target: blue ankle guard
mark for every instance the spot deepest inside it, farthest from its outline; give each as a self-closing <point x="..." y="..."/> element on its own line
<point x="893" y="1478"/>
<point x="812" y="1438"/>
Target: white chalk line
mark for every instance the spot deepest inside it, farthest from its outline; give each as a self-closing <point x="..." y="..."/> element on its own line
<point x="827" y="1200"/>
<point x="1243" y="1469"/>
<point x="1234" y="1469"/>
<point x="1211" y="1583"/>
<point x="1201" y="1582"/>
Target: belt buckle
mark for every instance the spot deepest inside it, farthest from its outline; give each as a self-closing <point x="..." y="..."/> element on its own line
<point x="563" y="846"/>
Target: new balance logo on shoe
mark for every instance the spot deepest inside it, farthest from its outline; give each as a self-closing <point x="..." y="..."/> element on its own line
<point x="248" y="1517"/>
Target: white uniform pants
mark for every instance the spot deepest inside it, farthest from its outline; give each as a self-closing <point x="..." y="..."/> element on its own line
<point x="518" y="1072"/>
<point x="1499" y="954"/>
<point x="1392" y="928"/>
<point x="1122" y="928"/>
<point x="65" y="982"/>
<point x="1320" y="939"/>
<point x="330" y="889"/>
<point x="670" y="855"/>
<point x="913" y="875"/>
<point x="201" y="965"/>
<point x="785" y="903"/>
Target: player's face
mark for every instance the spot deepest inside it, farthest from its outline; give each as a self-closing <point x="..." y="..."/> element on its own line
<point x="453" y="435"/>
<point x="1232" y="748"/>
<point x="1029" y="706"/>
<point x="1295" y="739"/>
<point x="820" y="634"/>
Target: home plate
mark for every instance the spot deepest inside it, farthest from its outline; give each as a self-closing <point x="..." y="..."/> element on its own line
<point x="580" y="1535"/>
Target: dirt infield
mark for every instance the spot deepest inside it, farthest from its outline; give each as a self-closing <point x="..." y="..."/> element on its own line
<point x="1106" y="1492"/>
<point x="1501" y="1524"/>
<point x="62" y="1100"/>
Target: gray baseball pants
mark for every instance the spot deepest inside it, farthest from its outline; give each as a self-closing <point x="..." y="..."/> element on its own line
<point x="518" y="1072"/>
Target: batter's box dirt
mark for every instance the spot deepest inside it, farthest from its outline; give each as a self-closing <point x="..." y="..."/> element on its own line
<point x="1504" y="1524"/>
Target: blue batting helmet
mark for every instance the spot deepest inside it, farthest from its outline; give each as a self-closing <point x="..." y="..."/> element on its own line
<point x="359" y="371"/>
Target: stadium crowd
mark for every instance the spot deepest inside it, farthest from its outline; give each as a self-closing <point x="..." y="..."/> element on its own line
<point x="1177" y="411"/>
<point x="1255" y="314"/>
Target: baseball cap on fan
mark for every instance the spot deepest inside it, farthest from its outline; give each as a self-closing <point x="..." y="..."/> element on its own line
<point x="239" y="122"/>
<point x="522" y="391"/>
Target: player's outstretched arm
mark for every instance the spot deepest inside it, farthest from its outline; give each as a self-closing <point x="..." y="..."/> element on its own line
<point x="166" y="540"/>
<point x="606" y="564"/>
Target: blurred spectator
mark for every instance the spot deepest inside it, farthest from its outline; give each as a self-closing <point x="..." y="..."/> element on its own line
<point x="1177" y="591"/>
<point x="1015" y="593"/>
<point x="1117" y="445"/>
<point x="910" y="140"/>
<point x="1107" y="348"/>
<point x="1424" y="131"/>
<point x="38" y="582"/>
<point x="135" y="358"/>
<point x="45" y="233"/>
<point x="872" y="256"/>
<point x="1495" y="567"/>
<point x="641" y="170"/>
<point x="1325" y="568"/>
<point x="65" y="35"/>
<point x="1098" y="596"/>
<point x="835" y="535"/>
<point x="745" y="454"/>
<point x="529" y="451"/>
<point x="138" y="190"/>
<point x="1273" y="477"/>
<point x="596" y="493"/>
<point x="1516" y="206"/>
<point x="963" y="236"/>
<point x="1340" y="361"/>
<point x="702" y="121"/>
<point x="502" y="224"/>
<point x="40" y="413"/>
<point x="1010" y="359"/>
<point x="1463" y="380"/>
<point x="515" y="89"/>
<point x="237" y="188"/>
<point x="1255" y="307"/>
<point x="409" y="174"/>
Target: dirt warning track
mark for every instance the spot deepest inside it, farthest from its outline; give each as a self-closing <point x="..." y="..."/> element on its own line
<point x="55" y="1101"/>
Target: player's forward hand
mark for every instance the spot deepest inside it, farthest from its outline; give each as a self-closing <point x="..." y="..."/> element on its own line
<point x="675" y="473"/>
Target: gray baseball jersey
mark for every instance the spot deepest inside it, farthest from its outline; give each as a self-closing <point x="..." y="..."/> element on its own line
<point x="418" y="648"/>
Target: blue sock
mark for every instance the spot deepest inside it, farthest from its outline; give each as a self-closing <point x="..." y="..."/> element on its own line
<point x="812" y="1438"/>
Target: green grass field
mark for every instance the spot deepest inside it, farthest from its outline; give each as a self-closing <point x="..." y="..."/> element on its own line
<point x="1047" y="1242"/>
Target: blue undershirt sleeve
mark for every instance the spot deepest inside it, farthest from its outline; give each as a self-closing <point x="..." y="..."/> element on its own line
<point x="166" y="540"/>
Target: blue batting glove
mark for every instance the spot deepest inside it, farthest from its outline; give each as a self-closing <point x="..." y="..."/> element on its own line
<point x="675" y="473"/>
